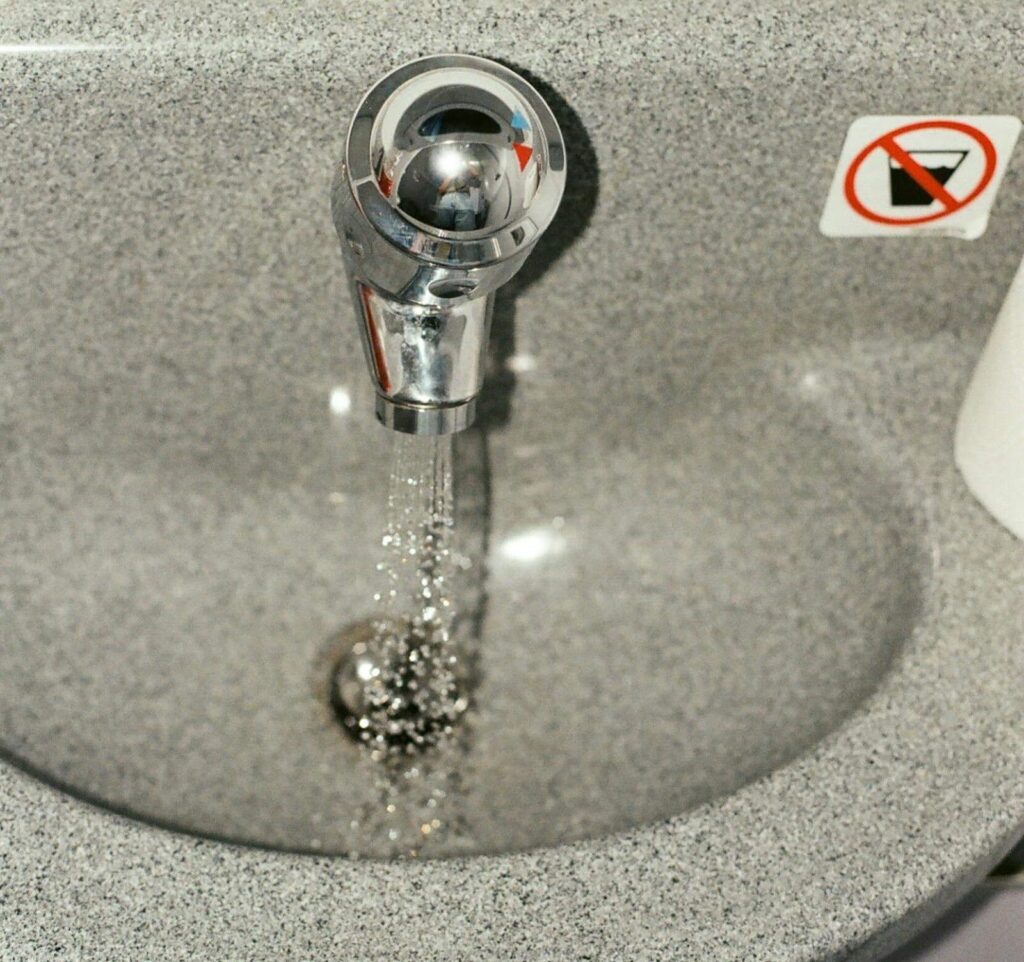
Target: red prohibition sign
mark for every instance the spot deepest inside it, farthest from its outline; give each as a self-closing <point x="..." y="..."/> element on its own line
<point x="887" y="142"/>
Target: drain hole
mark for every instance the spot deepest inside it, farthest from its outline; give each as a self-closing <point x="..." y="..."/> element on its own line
<point x="396" y="685"/>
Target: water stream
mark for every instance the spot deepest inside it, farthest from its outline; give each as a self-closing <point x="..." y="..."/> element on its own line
<point x="403" y="688"/>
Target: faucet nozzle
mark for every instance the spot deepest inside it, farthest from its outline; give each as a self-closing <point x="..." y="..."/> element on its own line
<point x="454" y="166"/>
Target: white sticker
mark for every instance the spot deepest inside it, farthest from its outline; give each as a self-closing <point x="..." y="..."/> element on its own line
<point x="918" y="175"/>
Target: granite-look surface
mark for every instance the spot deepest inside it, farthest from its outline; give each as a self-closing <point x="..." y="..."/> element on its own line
<point x="743" y="424"/>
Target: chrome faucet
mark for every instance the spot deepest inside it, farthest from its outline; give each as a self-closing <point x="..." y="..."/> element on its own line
<point x="454" y="166"/>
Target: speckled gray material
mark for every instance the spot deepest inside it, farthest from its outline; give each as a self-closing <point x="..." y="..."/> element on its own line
<point x="173" y="320"/>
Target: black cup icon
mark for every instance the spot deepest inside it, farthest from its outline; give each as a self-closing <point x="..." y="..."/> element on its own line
<point x="941" y="164"/>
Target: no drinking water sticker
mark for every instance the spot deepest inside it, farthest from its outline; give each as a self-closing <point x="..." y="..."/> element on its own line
<point x="918" y="175"/>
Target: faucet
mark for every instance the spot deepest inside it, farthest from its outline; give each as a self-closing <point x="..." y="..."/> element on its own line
<point x="454" y="166"/>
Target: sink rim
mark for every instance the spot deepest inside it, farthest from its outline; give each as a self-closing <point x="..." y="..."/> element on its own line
<point x="861" y="872"/>
<point x="88" y="878"/>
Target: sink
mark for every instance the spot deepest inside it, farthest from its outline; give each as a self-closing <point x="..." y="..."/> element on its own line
<point x="747" y="651"/>
<point x="674" y="608"/>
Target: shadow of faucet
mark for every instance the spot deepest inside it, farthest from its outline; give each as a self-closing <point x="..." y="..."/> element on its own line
<point x="574" y="214"/>
<point x="472" y="462"/>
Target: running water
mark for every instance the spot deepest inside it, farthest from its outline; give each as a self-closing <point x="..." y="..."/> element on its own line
<point x="416" y="569"/>
<point x="409" y="694"/>
<point x="403" y="687"/>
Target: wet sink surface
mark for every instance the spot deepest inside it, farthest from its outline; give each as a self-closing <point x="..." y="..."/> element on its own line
<point x="658" y="620"/>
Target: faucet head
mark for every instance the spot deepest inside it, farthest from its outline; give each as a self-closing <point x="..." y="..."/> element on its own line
<point x="454" y="166"/>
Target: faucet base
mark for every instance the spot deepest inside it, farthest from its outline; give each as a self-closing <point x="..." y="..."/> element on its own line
<point x="423" y="419"/>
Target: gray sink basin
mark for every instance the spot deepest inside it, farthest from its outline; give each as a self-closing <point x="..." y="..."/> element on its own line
<point x="748" y="652"/>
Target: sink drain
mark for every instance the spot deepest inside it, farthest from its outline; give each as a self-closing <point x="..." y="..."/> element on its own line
<point x="396" y="684"/>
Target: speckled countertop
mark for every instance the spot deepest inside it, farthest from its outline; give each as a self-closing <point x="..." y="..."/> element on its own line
<point x="164" y="178"/>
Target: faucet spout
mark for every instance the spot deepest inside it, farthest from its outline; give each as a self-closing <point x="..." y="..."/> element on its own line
<point x="454" y="166"/>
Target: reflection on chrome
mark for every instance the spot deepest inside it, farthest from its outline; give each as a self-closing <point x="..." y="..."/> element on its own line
<point x="454" y="166"/>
